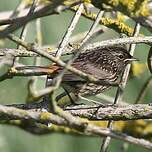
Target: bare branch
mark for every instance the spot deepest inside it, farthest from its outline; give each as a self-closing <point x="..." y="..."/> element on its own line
<point x="11" y="113"/>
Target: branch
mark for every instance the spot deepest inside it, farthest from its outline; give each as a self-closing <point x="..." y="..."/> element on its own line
<point x="120" y="41"/>
<point x="89" y="47"/>
<point x="44" y="11"/>
<point x="11" y="113"/>
<point x="139" y="11"/>
<point x="99" y="112"/>
<point x="112" y="112"/>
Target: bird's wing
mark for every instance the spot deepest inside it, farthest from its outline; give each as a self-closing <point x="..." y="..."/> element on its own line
<point x="94" y="70"/>
<point x="88" y="68"/>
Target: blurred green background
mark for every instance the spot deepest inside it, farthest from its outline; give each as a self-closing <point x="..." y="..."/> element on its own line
<point x="14" y="91"/>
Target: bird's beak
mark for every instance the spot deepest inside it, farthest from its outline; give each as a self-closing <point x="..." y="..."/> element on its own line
<point x="132" y="59"/>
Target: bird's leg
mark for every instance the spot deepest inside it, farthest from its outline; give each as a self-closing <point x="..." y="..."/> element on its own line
<point x="70" y="97"/>
<point x="67" y="97"/>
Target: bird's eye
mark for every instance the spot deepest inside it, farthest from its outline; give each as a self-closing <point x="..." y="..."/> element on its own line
<point x="120" y="56"/>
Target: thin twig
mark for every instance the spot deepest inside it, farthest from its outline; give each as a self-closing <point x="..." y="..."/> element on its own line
<point x="51" y="8"/>
<point x="69" y="31"/>
<point x="143" y="90"/>
<point x="24" y="30"/>
<point x="37" y="60"/>
<point x="120" y="41"/>
<point x="90" y="33"/>
<point x="120" y="90"/>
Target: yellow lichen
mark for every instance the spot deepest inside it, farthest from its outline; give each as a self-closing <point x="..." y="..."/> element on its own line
<point x="138" y="69"/>
<point x="117" y="25"/>
<point x="99" y="123"/>
<point x="148" y="129"/>
<point x="143" y="10"/>
<point x="113" y="2"/>
<point x="29" y="2"/>
<point x="13" y="70"/>
<point x="128" y="4"/>
<point x="44" y="116"/>
<point x="121" y="17"/>
<point x="63" y="129"/>
<point x="87" y="1"/>
<point x="114" y="24"/>
<point x="135" y="127"/>
<point x="132" y="8"/>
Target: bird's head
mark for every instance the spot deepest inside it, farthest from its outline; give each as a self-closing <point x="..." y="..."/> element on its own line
<point x="120" y="57"/>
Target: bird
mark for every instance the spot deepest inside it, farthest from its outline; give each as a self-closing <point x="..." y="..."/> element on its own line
<point x="105" y="63"/>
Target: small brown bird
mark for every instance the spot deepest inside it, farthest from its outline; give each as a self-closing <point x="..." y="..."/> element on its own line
<point x="105" y="63"/>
